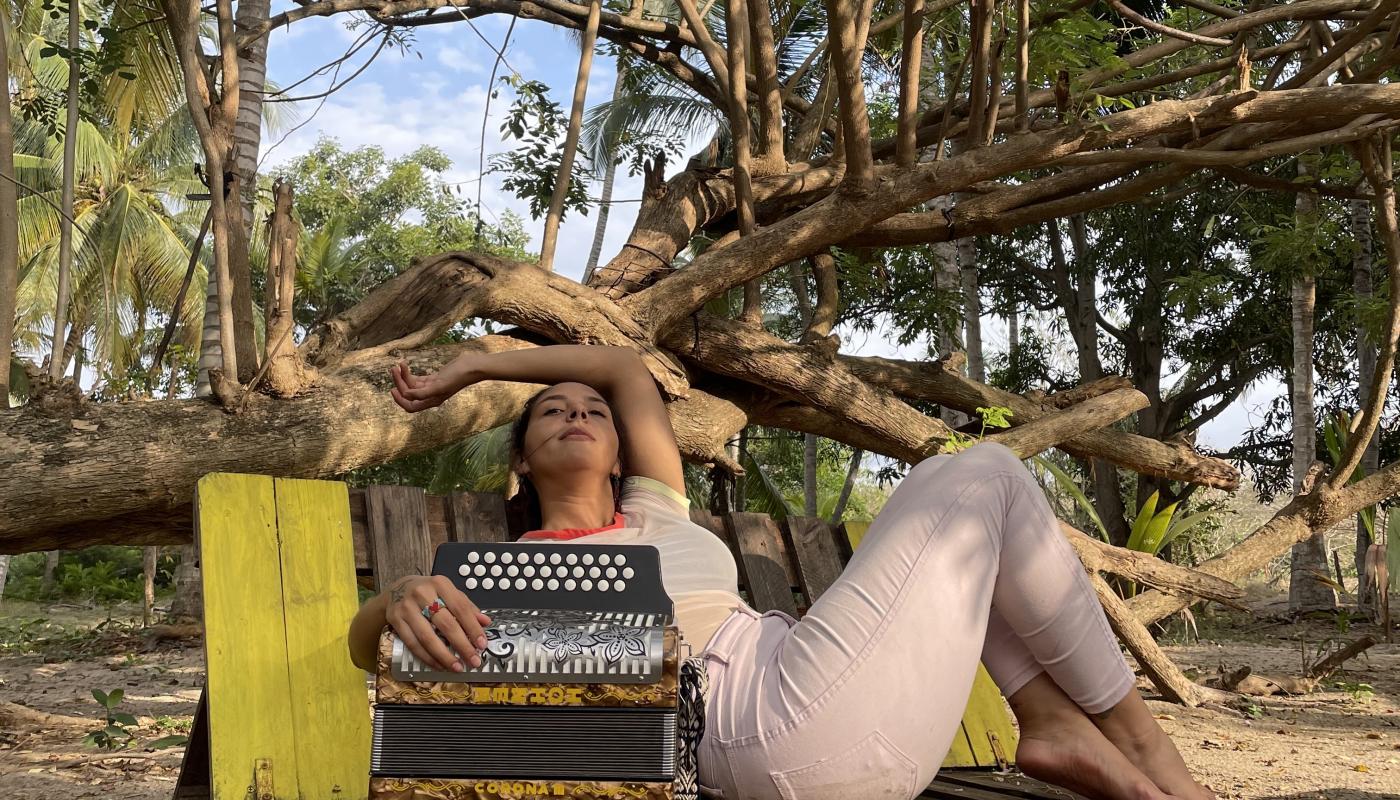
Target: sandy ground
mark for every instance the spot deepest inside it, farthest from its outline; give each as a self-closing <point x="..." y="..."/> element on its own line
<point x="1339" y="743"/>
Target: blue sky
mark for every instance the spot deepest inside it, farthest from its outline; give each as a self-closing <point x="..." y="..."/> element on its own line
<point x="436" y="94"/>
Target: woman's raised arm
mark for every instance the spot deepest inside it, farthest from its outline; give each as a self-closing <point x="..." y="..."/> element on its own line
<point x="648" y="441"/>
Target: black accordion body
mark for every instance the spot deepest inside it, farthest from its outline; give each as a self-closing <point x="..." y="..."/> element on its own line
<point x="578" y="691"/>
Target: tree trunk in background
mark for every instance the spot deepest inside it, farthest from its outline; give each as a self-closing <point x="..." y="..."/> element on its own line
<point x="605" y="200"/>
<point x="1361" y="275"/>
<point x="188" y="602"/>
<point x="946" y="278"/>
<point x="846" y="488"/>
<point x="50" y="568"/>
<point x="252" y="82"/>
<point x="210" y="354"/>
<point x="148" y="574"/>
<point x="9" y="250"/>
<point x="809" y="474"/>
<point x="9" y="245"/>
<point x="972" y="309"/>
<point x="1309" y="557"/>
<point x="65" y="226"/>
<point x="1077" y="291"/>
<point x="1013" y="337"/>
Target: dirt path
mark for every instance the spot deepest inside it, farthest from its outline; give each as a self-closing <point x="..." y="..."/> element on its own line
<point x="1342" y="743"/>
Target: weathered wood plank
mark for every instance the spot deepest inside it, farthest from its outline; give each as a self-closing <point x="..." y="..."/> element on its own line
<point x="763" y="561"/>
<point x="245" y="642"/>
<point x="475" y="517"/>
<point x="812" y="542"/>
<point x="329" y="711"/>
<point x="400" y="543"/>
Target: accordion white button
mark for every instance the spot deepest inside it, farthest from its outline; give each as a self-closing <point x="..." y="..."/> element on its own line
<point x="539" y="558"/>
<point x="495" y="570"/>
<point x="628" y="572"/>
<point x="546" y="571"/>
<point x="572" y="558"/>
<point x="602" y="586"/>
<point x="570" y="584"/>
<point x="619" y="585"/>
<point x="611" y="572"/>
<point x="578" y="572"/>
<point x="490" y="557"/>
<point x="587" y="585"/>
<point x="621" y="559"/>
<point x="587" y="558"/>
<point x="512" y="570"/>
<point x="487" y="583"/>
<point x="519" y="583"/>
<point x="473" y="557"/>
<point x="555" y="558"/>
<point x="479" y="570"/>
<point x="528" y="571"/>
<point x="507" y="557"/>
<point x="537" y="584"/>
<point x="604" y="559"/>
<point x="470" y="583"/>
<point x="553" y="584"/>
<point x="594" y="572"/>
<point x="464" y="570"/>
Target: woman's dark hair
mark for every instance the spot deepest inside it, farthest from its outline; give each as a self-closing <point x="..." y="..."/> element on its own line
<point x="523" y="512"/>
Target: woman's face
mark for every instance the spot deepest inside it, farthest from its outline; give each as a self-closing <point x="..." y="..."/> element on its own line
<point x="571" y="430"/>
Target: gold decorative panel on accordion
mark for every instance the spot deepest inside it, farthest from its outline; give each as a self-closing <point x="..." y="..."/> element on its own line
<point x="577" y="694"/>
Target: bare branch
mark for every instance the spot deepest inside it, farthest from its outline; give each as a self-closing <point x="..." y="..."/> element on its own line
<point x="1166" y="30"/>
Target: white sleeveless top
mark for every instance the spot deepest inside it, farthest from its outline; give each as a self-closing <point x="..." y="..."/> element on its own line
<point x="697" y="568"/>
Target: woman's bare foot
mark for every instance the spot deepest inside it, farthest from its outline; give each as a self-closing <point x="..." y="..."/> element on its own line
<point x="1067" y="750"/>
<point x="1132" y="729"/>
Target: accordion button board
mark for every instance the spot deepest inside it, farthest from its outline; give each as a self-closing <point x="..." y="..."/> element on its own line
<point x="577" y="689"/>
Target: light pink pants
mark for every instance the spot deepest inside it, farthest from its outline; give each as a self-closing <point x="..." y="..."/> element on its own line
<point x="862" y="697"/>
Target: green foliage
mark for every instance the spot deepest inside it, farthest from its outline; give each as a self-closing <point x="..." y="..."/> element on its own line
<point x="366" y="218"/>
<point x="531" y="170"/>
<point x="104" y="574"/>
<point x="1153" y="529"/>
<point x="992" y="417"/>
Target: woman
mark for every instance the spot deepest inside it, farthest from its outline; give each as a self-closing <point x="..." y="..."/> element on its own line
<point x="862" y="697"/>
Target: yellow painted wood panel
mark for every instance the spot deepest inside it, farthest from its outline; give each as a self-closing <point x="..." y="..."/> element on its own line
<point x="985" y="710"/>
<point x="244" y="638"/>
<point x="329" y="705"/>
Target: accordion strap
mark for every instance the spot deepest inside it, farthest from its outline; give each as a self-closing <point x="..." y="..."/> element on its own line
<point x="690" y="726"/>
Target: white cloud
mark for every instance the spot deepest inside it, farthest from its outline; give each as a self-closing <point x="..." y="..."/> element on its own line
<point x="458" y="60"/>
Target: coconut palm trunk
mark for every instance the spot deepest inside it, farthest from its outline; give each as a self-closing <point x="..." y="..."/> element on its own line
<point x="605" y="199"/>
<point x="65" y="240"/>
<point x="9" y="242"/>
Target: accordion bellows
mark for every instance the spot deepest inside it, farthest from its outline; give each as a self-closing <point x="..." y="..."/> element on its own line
<point x="570" y="701"/>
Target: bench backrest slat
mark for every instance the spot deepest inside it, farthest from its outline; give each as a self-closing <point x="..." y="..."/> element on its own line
<point x="812" y="542"/>
<point x="400" y="542"/>
<point x="763" y="561"/>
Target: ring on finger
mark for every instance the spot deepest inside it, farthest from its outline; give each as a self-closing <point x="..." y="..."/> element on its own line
<point x="432" y="608"/>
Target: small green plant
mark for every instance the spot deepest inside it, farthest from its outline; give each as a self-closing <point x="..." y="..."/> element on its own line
<point x="1360" y="692"/>
<point x="1154" y="529"/>
<point x="119" y="733"/>
<point x="1254" y="710"/>
<point x="115" y="734"/>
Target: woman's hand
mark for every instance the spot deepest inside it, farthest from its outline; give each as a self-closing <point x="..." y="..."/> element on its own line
<point x="460" y="622"/>
<point x="414" y="393"/>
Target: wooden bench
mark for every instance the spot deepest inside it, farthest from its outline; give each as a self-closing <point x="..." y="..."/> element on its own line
<point x="284" y="713"/>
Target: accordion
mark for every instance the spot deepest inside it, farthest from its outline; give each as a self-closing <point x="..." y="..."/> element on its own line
<point x="578" y="693"/>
